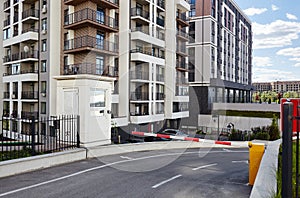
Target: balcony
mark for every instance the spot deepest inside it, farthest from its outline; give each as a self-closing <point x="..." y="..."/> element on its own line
<point x="90" y="68"/>
<point x="143" y="29"/>
<point x="139" y="75"/>
<point x="87" y="17"/>
<point x="14" y="95"/>
<point x="29" y="115"/>
<point x="160" y="96"/>
<point x="5" y="113"/>
<point x="6" y="5"/>
<point x="138" y="50"/>
<point x="88" y="43"/>
<point x="21" y="56"/>
<point x="160" y="22"/>
<point x="29" y="95"/>
<point x="181" y="50"/>
<point x="6" y="94"/>
<point x="6" y="22"/>
<point x="181" y="65"/>
<point x="30" y="15"/>
<point x="182" y="19"/>
<point x="138" y="96"/>
<point x="21" y="72"/>
<point x="160" y="77"/>
<point x="161" y="4"/>
<point x="182" y="35"/>
<point x="110" y="4"/>
<point x="141" y="15"/>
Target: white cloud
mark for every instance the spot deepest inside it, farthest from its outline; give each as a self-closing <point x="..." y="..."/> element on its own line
<point x="267" y="75"/>
<point x="274" y="7"/>
<point x="292" y="52"/>
<point x="291" y="16"/>
<point x="276" y="34"/>
<point x="262" y="61"/>
<point x="295" y="52"/>
<point x="254" y="11"/>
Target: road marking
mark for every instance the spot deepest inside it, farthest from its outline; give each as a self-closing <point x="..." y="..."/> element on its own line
<point x="110" y="164"/>
<point x="166" y="181"/>
<point x="227" y="150"/>
<point x="205" y="166"/>
<point x="241" y="161"/>
<point x="124" y="157"/>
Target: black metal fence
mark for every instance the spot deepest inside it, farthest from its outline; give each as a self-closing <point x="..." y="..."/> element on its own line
<point x="28" y="137"/>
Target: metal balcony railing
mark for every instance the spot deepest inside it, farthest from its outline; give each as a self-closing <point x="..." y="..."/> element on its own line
<point x="21" y="72"/>
<point x="30" y="13"/>
<point x="29" y="30"/>
<point x="160" y="21"/>
<point x="90" y="68"/>
<point x="91" y="15"/>
<point x="144" y="29"/>
<point x="160" y="96"/>
<point x="29" y="115"/>
<point x="6" y="4"/>
<point x="183" y="34"/>
<point x="6" y="22"/>
<point x="32" y="54"/>
<point x="6" y="94"/>
<point x="160" y="77"/>
<point x="139" y="75"/>
<point x="161" y="3"/>
<point x="138" y="50"/>
<point x="139" y="96"/>
<point x="140" y="12"/>
<point x="92" y="42"/>
<point x="29" y="95"/>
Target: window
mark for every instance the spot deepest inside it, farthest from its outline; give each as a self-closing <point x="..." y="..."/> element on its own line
<point x="43" y="108"/>
<point x="44" y="24"/>
<point x="100" y="15"/>
<point x="44" y="45"/>
<point x="100" y="40"/>
<point x="44" y="87"/>
<point x="100" y="65"/>
<point x="6" y="34"/>
<point x="43" y="66"/>
<point x="16" y="69"/>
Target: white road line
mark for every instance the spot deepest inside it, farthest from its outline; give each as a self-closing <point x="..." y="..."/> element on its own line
<point x="227" y="150"/>
<point x="166" y="181"/>
<point x="241" y="161"/>
<point x="125" y="157"/>
<point x="107" y="165"/>
<point x="205" y="166"/>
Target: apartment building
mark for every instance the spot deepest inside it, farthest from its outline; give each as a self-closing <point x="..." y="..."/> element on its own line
<point x="152" y="65"/>
<point x="141" y="44"/>
<point x="277" y="86"/>
<point x="220" y="49"/>
<point x="30" y="59"/>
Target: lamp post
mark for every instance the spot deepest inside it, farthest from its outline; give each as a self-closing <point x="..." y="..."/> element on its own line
<point x="217" y="116"/>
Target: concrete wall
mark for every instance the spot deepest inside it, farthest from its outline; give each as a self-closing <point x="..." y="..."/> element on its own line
<point x="241" y="123"/>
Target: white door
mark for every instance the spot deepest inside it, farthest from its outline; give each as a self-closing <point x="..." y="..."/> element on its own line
<point x="71" y="105"/>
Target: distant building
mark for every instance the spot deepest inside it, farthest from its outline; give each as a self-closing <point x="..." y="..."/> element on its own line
<point x="220" y="55"/>
<point x="277" y="86"/>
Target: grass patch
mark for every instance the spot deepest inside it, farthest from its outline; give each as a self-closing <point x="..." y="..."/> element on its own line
<point x="279" y="179"/>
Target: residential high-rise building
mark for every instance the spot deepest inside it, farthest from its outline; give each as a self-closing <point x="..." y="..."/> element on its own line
<point x="277" y="86"/>
<point x="139" y="43"/>
<point x="220" y="54"/>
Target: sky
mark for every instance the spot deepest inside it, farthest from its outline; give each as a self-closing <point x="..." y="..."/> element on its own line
<point x="276" y="38"/>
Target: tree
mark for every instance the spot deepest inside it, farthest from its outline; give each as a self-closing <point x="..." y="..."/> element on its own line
<point x="273" y="129"/>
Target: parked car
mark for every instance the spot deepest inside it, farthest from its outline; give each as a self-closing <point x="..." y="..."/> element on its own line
<point x="173" y="132"/>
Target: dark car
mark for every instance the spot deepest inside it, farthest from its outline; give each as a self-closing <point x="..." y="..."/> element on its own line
<point x="173" y="132"/>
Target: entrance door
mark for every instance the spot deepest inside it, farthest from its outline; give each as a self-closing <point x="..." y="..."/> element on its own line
<point x="71" y="105"/>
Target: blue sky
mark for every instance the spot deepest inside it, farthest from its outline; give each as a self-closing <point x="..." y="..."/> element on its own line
<point x="276" y="38"/>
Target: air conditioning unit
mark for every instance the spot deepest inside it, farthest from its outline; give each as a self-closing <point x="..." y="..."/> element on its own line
<point x="44" y="9"/>
<point x="44" y="94"/>
<point x="13" y="96"/>
<point x="44" y="31"/>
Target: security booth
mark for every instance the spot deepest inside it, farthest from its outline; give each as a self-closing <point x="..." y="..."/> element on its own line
<point x="89" y="97"/>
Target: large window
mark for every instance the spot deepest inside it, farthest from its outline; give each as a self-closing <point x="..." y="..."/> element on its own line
<point x="16" y="69"/>
<point x="100" y="40"/>
<point x="6" y="34"/>
<point x="100" y="16"/>
<point x="100" y="65"/>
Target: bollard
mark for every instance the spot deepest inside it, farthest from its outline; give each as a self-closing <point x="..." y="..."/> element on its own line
<point x="256" y="152"/>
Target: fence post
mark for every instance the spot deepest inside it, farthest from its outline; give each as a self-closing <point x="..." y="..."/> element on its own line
<point x="287" y="150"/>
<point x="78" y="131"/>
<point x="33" y="135"/>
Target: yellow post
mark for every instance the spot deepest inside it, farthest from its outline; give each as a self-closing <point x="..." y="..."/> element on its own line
<point x="256" y="152"/>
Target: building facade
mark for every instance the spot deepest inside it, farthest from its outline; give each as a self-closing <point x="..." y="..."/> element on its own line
<point x="124" y="40"/>
<point x="277" y="86"/>
<point x="220" y="49"/>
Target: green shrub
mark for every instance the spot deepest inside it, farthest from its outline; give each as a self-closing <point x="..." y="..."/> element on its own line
<point x="262" y="136"/>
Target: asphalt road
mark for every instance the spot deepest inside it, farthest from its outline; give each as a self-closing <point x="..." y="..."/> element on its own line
<point x="169" y="173"/>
